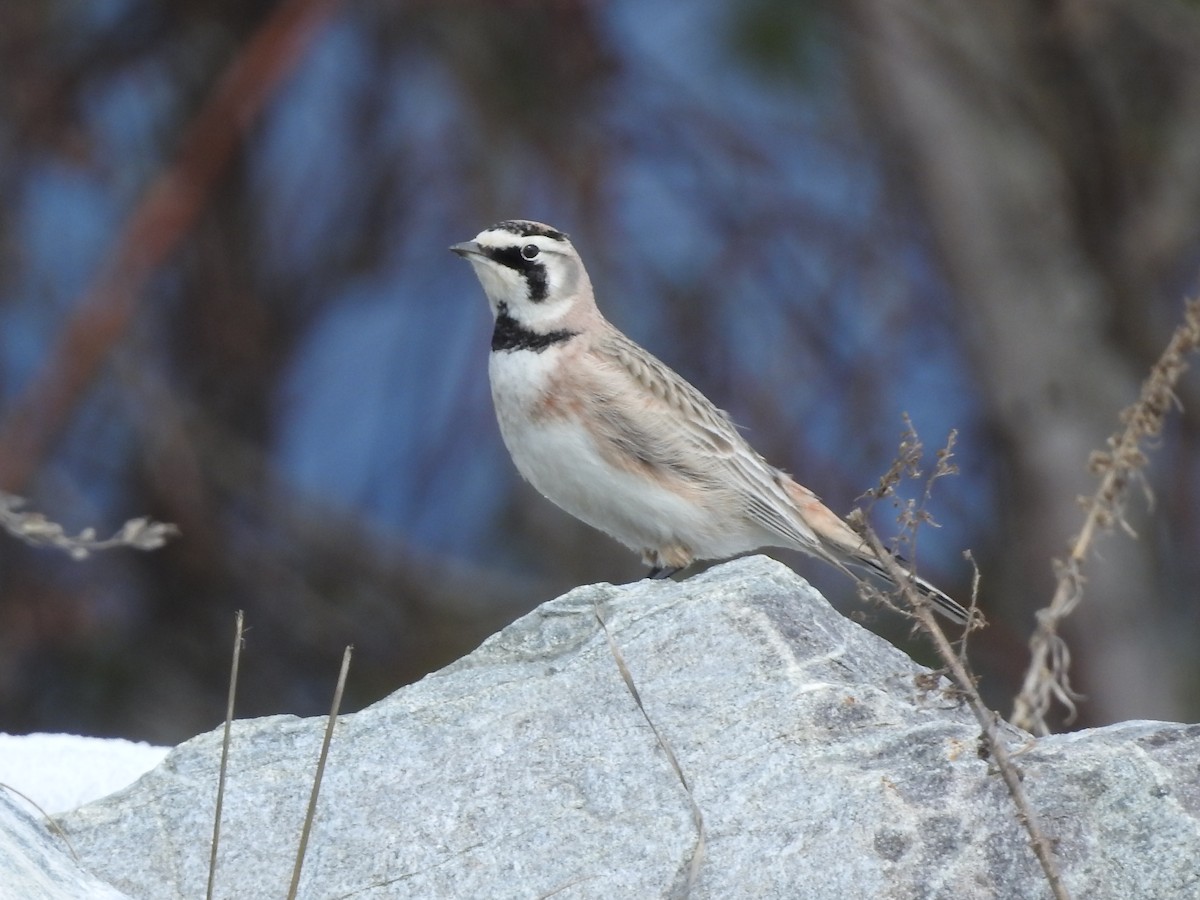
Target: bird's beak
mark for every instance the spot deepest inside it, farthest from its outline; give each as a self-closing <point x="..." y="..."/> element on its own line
<point x="466" y="248"/>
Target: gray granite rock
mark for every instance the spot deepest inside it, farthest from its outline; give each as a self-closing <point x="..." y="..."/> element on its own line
<point x="36" y="865"/>
<point x="823" y="764"/>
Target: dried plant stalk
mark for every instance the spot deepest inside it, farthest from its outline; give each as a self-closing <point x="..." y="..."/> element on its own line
<point x="34" y="528"/>
<point x="311" y="812"/>
<point x="683" y="890"/>
<point x="917" y="607"/>
<point x="989" y="721"/>
<point x="238" y="643"/>
<point x="1047" y="678"/>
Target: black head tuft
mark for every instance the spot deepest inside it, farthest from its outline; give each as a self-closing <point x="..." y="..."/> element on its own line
<point x="525" y="228"/>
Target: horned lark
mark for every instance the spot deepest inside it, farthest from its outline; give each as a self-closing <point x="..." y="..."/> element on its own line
<point x="616" y="438"/>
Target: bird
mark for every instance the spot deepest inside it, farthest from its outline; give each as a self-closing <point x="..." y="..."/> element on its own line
<point x="616" y="438"/>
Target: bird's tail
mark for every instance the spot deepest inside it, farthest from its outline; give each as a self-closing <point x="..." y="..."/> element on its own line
<point x="845" y="548"/>
<point x="938" y="599"/>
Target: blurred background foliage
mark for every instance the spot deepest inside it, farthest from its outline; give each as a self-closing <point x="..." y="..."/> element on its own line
<point x="226" y="301"/>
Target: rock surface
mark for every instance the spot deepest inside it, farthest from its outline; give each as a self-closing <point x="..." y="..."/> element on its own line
<point x="36" y="865"/>
<point x="821" y="766"/>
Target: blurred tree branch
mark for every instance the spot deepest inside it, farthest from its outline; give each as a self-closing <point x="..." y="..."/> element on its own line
<point x="165" y="214"/>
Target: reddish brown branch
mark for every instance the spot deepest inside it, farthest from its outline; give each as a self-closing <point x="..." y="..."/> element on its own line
<point x="166" y="213"/>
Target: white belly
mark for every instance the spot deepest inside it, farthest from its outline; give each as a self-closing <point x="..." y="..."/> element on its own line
<point x="559" y="457"/>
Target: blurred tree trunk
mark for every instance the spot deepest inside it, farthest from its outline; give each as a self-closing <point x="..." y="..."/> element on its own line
<point x="1018" y="132"/>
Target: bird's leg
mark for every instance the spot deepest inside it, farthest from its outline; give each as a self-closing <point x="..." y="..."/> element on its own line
<point x="658" y="573"/>
<point x="666" y="561"/>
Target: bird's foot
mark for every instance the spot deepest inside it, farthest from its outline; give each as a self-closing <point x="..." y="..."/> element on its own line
<point x="658" y="573"/>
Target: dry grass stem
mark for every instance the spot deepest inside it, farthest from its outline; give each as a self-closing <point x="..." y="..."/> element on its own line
<point x="1047" y="678"/>
<point x="684" y="890"/>
<point x="35" y="529"/>
<point x="990" y="722"/>
<point x="311" y="812"/>
<point x="51" y="822"/>
<point x="917" y="607"/>
<point x="233" y="680"/>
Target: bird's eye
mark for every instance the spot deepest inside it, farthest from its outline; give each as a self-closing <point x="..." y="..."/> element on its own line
<point x="529" y="251"/>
